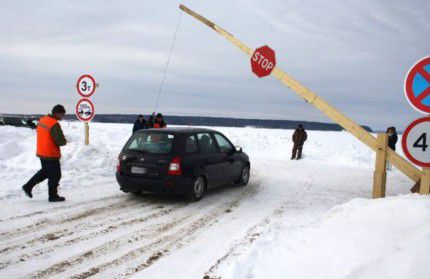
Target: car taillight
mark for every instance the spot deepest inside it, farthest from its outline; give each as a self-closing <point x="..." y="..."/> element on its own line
<point x="175" y="167"/>
<point x="118" y="167"/>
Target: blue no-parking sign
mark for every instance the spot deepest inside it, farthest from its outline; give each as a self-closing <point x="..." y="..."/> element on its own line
<point x="417" y="85"/>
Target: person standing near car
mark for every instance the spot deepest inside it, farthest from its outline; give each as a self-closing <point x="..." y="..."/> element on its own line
<point x="139" y="124"/>
<point x="299" y="138"/>
<point x="49" y="139"/>
<point x="159" y="121"/>
<point x="150" y="122"/>
<point x="392" y="140"/>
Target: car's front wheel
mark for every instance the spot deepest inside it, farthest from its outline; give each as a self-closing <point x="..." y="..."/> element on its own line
<point x="244" y="176"/>
<point x="197" y="189"/>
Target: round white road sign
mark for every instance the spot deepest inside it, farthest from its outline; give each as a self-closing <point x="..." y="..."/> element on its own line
<point x="85" y="110"/>
<point x="86" y="86"/>
<point x="416" y="142"/>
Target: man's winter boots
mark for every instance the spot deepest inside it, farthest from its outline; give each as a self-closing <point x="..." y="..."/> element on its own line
<point x="27" y="191"/>
<point x="57" y="199"/>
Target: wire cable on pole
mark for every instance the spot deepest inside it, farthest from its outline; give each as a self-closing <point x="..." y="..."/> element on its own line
<point x="168" y="62"/>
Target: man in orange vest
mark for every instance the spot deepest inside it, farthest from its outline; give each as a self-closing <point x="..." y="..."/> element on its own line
<point x="49" y="139"/>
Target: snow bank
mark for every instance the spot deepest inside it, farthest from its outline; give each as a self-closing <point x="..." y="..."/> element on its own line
<point x="79" y="162"/>
<point x="384" y="238"/>
<point x="332" y="148"/>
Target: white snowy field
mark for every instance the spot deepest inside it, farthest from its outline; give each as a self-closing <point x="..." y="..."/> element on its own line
<point x="296" y="219"/>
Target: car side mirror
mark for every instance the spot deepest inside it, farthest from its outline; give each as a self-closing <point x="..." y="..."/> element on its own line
<point x="238" y="149"/>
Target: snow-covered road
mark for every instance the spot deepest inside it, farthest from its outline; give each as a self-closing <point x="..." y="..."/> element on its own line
<point x="234" y="232"/>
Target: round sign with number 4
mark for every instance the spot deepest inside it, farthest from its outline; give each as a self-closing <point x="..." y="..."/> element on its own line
<point x="86" y="86"/>
<point x="416" y="142"/>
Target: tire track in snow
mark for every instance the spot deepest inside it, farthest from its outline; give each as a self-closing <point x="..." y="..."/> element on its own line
<point x="85" y="221"/>
<point x="179" y="238"/>
<point x="45" y="222"/>
<point x="163" y="237"/>
<point x="104" y="229"/>
<point x="62" y="232"/>
<point x="250" y="237"/>
<point x="255" y="232"/>
<point x="105" y="248"/>
<point x="55" y="209"/>
<point x="176" y="238"/>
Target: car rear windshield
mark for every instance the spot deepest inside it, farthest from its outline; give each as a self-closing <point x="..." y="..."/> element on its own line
<point x="151" y="142"/>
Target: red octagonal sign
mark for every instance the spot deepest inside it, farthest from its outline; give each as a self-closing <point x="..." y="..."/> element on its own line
<point x="263" y="61"/>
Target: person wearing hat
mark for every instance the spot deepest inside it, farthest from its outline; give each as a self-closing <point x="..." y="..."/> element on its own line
<point x="139" y="124"/>
<point x="299" y="138"/>
<point x="49" y="139"/>
<point x="159" y="121"/>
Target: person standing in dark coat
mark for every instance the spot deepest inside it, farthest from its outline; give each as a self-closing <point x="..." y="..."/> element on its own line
<point x="392" y="140"/>
<point x="49" y="139"/>
<point x="139" y="124"/>
<point x="299" y="138"/>
<point x="150" y="122"/>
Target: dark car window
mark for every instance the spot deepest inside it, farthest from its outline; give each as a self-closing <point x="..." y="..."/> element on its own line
<point x="191" y="144"/>
<point x="151" y="142"/>
<point x="224" y="145"/>
<point x="206" y="143"/>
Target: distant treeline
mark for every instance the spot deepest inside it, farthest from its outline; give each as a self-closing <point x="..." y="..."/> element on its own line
<point x="221" y="121"/>
<point x="191" y="121"/>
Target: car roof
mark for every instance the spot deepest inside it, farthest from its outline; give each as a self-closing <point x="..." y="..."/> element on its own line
<point x="180" y="130"/>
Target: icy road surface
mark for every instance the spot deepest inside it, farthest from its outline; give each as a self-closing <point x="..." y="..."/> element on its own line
<point x="234" y="232"/>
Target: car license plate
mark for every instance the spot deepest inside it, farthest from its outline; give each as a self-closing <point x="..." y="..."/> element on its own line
<point x="138" y="170"/>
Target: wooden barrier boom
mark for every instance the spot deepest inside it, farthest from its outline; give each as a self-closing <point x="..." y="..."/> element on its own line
<point x="395" y="159"/>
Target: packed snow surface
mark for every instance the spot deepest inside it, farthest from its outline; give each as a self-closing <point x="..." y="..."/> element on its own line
<point x="311" y="218"/>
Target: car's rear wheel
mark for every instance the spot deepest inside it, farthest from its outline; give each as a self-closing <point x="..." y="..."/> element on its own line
<point x="244" y="176"/>
<point x="197" y="189"/>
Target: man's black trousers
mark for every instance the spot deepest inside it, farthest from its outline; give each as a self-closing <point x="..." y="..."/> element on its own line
<point x="51" y="170"/>
<point x="297" y="149"/>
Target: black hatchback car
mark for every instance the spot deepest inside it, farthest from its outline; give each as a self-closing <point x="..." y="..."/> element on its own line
<point x="184" y="161"/>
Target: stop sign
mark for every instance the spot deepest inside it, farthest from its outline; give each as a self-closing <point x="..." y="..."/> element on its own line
<point x="263" y="61"/>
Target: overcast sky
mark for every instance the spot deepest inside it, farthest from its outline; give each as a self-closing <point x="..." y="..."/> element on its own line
<point x="354" y="54"/>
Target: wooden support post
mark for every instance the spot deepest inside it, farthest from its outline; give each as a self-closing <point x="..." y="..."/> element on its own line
<point x="425" y="182"/>
<point x="416" y="187"/>
<point x="87" y="133"/>
<point x="380" y="174"/>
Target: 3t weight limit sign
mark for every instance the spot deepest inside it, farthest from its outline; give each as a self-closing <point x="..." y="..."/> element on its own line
<point x="86" y="86"/>
<point x="416" y="142"/>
